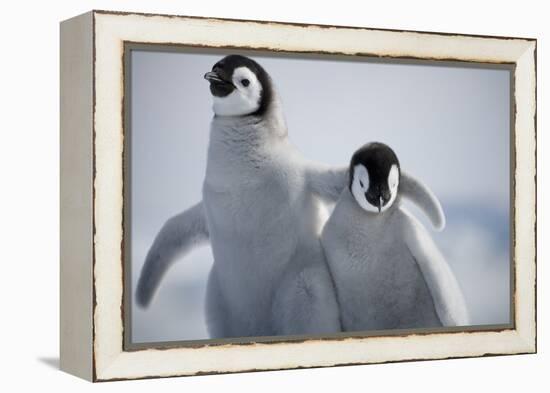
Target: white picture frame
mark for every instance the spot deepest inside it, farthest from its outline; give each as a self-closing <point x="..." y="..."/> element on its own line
<point x="92" y="195"/>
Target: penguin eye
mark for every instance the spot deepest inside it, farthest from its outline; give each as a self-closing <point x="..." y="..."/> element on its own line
<point x="245" y="82"/>
<point x="361" y="183"/>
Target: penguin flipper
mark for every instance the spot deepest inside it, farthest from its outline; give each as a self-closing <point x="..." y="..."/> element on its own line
<point x="418" y="193"/>
<point x="179" y="235"/>
<point x="447" y="296"/>
<point x="327" y="182"/>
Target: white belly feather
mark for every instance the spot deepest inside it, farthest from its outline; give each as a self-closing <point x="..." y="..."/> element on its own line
<point x="378" y="283"/>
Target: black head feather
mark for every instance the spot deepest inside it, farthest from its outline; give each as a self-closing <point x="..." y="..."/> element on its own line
<point x="378" y="159"/>
<point x="224" y="69"/>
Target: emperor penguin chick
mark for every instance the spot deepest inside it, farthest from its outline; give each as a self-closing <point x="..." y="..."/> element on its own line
<point x="386" y="268"/>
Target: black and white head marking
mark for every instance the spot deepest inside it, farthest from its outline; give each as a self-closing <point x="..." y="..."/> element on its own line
<point x="239" y="87"/>
<point x="374" y="177"/>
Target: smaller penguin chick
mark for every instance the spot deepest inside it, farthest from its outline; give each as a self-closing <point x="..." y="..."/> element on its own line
<point x="386" y="268"/>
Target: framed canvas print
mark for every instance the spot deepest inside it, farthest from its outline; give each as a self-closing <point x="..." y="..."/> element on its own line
<point x="248" y="195"/>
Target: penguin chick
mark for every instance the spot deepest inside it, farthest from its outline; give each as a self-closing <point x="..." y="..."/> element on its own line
<point x="261" y="215"/>
<point x="387" y="270"/>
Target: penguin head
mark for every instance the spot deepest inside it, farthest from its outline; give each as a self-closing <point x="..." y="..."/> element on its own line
<point x="239" y="87"/>
<point x="374" y="177"/>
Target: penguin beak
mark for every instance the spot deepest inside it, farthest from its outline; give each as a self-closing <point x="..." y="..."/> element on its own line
<point x="213" y="77"/>
<point x="219" y="86"/>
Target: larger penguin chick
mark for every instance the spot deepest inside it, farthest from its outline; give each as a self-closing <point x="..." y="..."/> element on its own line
<point x="261" y="213"/>
<point x="387" y="270"/>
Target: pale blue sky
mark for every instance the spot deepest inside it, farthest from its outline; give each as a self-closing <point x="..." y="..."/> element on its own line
<point x="449" y="126"/>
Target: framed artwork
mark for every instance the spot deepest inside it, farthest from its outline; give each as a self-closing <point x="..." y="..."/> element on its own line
<point x="248" y="195"/>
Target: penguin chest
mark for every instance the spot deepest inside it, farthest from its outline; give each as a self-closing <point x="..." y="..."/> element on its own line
<point x="253" y="223"/>
<point x="393" y="293"/>
<point x="378" y="282"/>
